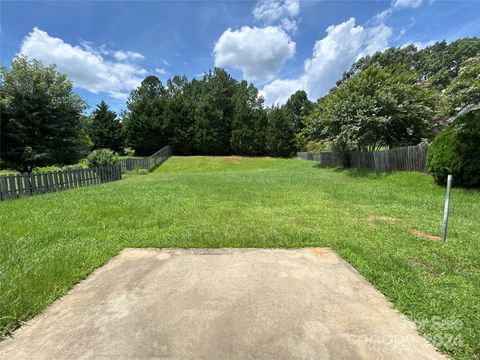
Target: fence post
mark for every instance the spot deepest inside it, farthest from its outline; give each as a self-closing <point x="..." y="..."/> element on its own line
<point x="447" y="206"/>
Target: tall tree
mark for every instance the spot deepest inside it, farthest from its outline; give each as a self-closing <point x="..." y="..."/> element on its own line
<point x="214" y="113"/>
<point x="280" y="133"/>
<point x="145" y="129"/>
<point x="465" y="88"/>
<point x="376" y="108"/>
<point x="104" y="129"/>
<point x="298" y="106"/>
<point x="41" y="117"/>
<point x="249" y="121"/>
<point x="180" y="114"/>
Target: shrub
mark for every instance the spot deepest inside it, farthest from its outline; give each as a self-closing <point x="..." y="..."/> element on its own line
<point x="128" y="151"/>
<point x="456" y="151"/>
<point x="102" y="157"/>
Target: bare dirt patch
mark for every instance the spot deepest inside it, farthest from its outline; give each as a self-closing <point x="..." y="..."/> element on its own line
<point x="425" y="235"/>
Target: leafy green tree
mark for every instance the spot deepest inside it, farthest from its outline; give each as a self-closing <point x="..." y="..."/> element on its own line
<point x="41" y="117"/>
<point x="249" y="121"/>
<point x="299" y="106"/>
<point x="104" y="129"/>
<point x="145" y="129"/>
<point x="465" y="88"/>
<point x="441" y="62"/>
<point x="379" y="107"/>
<point x="280" y="133"/>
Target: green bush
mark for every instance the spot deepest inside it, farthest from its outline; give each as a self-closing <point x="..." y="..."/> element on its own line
<point x="102" y="157"/>
<point x="82" y="164"/>
<point x="456" y="151"/>
<point x="128" y="151"/>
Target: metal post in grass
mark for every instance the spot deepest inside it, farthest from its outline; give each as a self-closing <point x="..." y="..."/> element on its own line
<point x="447" y="206"/>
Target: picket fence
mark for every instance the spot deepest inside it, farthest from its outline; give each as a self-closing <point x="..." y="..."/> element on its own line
<point x="411" y="158"/>
<point x="148" y="163"/>
<point x="13" y="186"/>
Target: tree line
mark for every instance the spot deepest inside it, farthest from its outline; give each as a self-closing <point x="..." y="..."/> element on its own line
<point x="397" y="97"/>
<point x="400" y="96"/>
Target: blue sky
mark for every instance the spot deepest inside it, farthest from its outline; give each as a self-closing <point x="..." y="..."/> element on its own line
<point x="107" y="47"/>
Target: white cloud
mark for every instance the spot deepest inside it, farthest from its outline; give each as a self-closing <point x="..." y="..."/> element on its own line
<point x="332" y="55"/>
<point x="280" y="90"/>
<point x="161" y="71"/>
<point x="278" y="12"/>
<point x="86" y="67"/>
<point x="121" y="55"/>
<point x="258" y="52"/>
<point x="273" y="10"/>
<point x="406" y="3"/>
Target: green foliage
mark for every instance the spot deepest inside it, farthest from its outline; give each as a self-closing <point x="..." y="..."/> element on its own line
<point x="102" y="157"/>
<point x="376" y="108"/>
<point x="41" y="122"/>
<point x="298" y="107"/>
<point x="456" y="151"/>
<point x="128" y="151"/>
<point x="249" y="122"/>
<point x="214" y="113"/>
<point x="280" y="133"/>
<point x="438" y="64"/>
<point x="465" y="88"/>
<point x="104" y="129"/>
<point x="144" y="127"/>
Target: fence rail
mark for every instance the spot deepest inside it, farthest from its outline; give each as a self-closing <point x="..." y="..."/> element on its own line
<point x="148" y="163"/>
<point x="411" y="158"/>
<point x="13" y="186"/>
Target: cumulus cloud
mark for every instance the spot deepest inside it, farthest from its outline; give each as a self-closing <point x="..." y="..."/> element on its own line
<point x="332" y="55"/>
<point x="88" y="68"/>
<point x="272" y="10"/>
<point x="160" y="71"/>
<point x="406" y="3"/>
<point x="258" y="52"/>
<point x="281" y="12"/>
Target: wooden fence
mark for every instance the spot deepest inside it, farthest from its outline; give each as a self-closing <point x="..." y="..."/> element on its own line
<point x="411" y="158"/>
<point x="19" y="185"/>
<point x="148" y="163"/>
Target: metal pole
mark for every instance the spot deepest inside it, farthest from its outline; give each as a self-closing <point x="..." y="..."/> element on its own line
<point x="447" y="206"/>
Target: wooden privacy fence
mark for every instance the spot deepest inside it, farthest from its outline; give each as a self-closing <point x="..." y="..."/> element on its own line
<point x="411" y="158"/>
<point x="18" y="185"/>
<point x="148" y="163"/>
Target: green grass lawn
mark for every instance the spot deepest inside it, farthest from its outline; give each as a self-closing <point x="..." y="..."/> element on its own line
<point x="50" y="242"/>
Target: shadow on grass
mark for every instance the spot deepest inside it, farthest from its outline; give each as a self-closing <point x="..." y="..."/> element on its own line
<point x="356" y="173"/>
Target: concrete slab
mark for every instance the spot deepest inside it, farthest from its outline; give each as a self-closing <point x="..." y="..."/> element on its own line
<point x="221" y="304"/>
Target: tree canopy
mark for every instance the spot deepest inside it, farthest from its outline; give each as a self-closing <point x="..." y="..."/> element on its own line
<point x="398" y="97"/>
<point x="41" y="117"/>
<point x="104" y="129"/>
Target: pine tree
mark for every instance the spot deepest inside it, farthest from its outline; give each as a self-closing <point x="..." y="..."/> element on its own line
<point x="145" y="129"/>
<point x="280" y="133"/>
<point x="249" y="122"/>
<point x="104" y="129"/>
